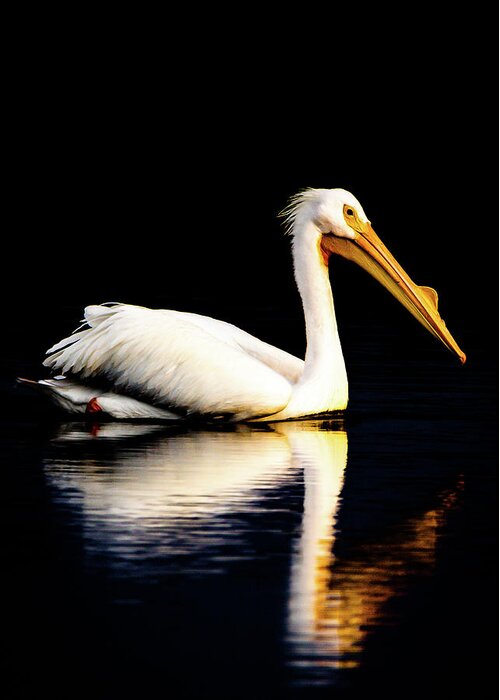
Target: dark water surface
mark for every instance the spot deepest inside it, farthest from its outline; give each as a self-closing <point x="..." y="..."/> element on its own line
<point x="327" y="558"/>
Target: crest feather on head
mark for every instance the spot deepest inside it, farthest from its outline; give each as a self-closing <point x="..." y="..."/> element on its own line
<point x="295" y="205"/>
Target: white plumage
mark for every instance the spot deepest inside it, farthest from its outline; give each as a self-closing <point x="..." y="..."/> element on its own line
<point x="176" y="360"/>
<point x="170" y="365"/>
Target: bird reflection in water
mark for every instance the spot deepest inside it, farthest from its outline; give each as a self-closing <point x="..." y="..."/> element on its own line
<point x="336" y="601"/>
<point x="146" y="492"/>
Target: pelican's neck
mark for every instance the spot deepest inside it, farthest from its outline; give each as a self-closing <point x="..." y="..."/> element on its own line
<point x="313" y="282"/>
<point x="324" y="361"/>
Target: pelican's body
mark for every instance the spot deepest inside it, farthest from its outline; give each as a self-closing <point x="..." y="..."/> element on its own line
<point x="170" y="365"/>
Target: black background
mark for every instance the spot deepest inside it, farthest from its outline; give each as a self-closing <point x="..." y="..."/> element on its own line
<point x="150" y="169"/>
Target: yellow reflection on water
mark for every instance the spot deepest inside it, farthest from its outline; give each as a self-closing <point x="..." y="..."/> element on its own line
<point x="335" y="602"/>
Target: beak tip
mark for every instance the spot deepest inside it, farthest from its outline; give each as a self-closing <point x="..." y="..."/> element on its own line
<point x="463" y="358"/>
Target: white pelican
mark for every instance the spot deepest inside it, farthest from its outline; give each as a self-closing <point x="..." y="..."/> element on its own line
<point x="133" y="362"/>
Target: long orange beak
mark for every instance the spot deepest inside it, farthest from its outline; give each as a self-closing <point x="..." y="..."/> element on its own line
<point x="368" y="251"/>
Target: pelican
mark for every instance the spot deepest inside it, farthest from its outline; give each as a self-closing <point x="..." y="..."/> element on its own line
<point x="133" y="362"/>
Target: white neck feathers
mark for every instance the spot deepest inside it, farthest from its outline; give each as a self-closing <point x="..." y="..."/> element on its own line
<point x="323" y="385"/>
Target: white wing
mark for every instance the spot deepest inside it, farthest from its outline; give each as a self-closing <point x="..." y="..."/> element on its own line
<point x="189" y="363"/>
<point x="282" y="362"/>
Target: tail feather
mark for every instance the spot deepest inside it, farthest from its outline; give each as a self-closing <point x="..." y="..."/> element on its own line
<point x="68" y="395"/>
<point x="75" y="398"/>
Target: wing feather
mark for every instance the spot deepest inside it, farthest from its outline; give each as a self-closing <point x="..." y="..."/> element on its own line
<point x="284" y="363"/>
<point x="169" y="359"/>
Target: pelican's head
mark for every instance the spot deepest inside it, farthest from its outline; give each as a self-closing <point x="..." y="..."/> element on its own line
<point x="342" y="227"/>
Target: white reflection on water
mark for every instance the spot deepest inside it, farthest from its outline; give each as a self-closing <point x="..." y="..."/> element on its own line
<point x="145" y="494"/>
<point x="160" y="482"/>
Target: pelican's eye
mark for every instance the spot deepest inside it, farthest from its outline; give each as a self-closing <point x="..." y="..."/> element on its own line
<point x="351" y="217"/>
